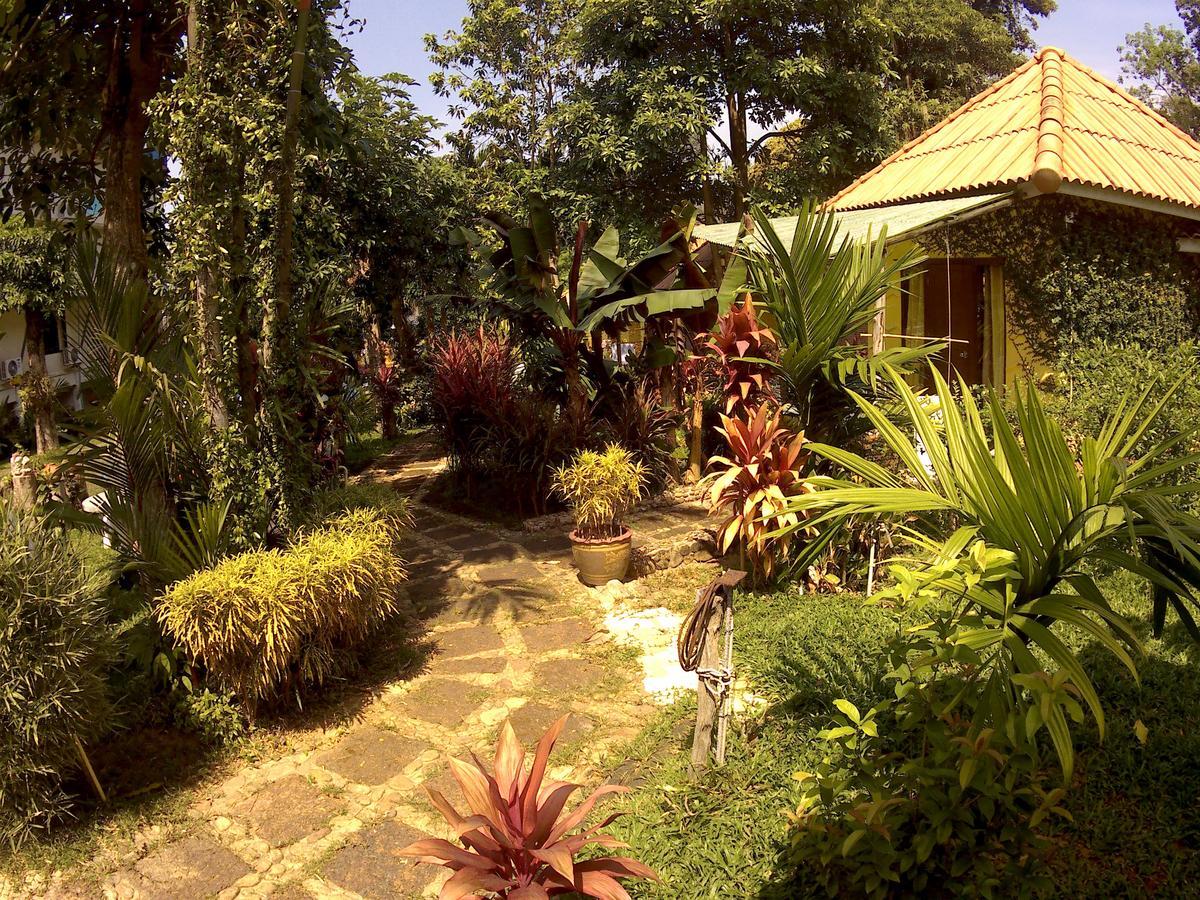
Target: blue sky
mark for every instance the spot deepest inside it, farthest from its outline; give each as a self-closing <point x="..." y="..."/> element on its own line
<point x="393" y="39"/>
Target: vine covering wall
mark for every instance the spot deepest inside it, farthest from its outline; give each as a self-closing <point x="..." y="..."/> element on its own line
<point x="1079" y="271"/>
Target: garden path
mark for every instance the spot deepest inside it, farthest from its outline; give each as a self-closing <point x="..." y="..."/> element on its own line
<point x="508" y="633"/>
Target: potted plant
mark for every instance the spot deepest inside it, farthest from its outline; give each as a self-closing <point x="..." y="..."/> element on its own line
<point x="602" y="488"/>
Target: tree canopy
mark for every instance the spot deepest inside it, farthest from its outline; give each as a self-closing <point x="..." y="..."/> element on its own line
<point x="1163" y="64"/>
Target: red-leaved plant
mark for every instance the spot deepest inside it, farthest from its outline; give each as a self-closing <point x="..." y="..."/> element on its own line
<point x="515" y="845"/>
<point x="474" y="374"/>
<point x="737" y="342"/>
<point x="752" y="485"/>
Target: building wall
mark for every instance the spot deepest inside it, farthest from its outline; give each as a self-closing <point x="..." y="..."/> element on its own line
<point x="12" y="342"/>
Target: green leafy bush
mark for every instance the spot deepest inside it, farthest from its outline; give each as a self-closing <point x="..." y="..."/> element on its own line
<point x="53" y="657"/>
<point x="268" y="623"/>
<point x="214" y="717"/>
<point x="913" y="798"/>
<point x="1091" y="381"/>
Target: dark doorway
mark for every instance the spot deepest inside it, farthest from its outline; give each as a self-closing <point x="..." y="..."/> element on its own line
<point x="954" y="311"/>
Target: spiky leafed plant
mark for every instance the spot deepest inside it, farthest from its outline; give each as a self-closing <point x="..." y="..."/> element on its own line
<point x="741" y="348"/>
<point x="754" y="484"/>
<point x="818" y="291"/>
<point x="1042" y="517"/>
<point x="516" y="843"/>
<point x="143" y="446"/>
<point x="474" y="376"/>
<point x="602" y="488"/>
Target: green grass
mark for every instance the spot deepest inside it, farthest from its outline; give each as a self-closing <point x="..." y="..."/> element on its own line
<point x="1137" y="825"/>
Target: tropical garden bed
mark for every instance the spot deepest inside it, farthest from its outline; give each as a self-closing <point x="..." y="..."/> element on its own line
<point x="1134" y="828"/>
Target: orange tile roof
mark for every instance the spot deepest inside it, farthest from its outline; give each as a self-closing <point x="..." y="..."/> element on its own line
<point x="1053" y="120"/>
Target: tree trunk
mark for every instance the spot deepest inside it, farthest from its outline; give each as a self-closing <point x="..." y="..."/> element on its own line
<point x="135" y="74"/>
<point x="696" y="447"/>
<point x="247" y="348"/>
<point x="277" y="313"/>
<point x="39" y="391"/>
<point x="387" y="419"/>
<point x="739" y="159"/>
<point x="205" y="305"/>
<point x="735" y="110"/>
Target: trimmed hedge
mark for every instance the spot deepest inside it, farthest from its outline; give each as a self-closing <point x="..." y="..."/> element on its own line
<point x="268" y="623"/>
<point x="53" y="659"/>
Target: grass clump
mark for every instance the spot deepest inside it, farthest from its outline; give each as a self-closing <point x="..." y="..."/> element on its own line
<point x="53" y="658"/>
<point x="266" y="624"/>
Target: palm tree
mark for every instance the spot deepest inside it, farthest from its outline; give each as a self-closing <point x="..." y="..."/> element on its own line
<point x="817" y="291"/>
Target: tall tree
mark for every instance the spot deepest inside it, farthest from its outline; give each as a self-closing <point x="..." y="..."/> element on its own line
<point x="75" y="83"/>
<point x="535" y="118"/>
<point x="939" y="54"/>
<point x="1163" y="65"/>
<point x="1020" y="17"/>
<point x="746" y="64"/>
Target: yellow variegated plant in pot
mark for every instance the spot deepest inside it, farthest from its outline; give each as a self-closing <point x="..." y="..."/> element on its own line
<point x="601" y="487"/>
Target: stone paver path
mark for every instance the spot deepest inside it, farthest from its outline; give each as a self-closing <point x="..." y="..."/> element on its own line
<point x="512" y="634"/>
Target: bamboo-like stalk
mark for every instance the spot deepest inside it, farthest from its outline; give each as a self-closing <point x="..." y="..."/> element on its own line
<point x="89" y="771"/>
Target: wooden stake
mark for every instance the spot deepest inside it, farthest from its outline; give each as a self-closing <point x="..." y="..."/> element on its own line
<point x="89" y="771"/>
<point x="706" y="701"/>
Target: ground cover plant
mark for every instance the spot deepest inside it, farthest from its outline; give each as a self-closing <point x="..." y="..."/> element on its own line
<point x="1132" y="828"/>
<point x="266" y="624"/>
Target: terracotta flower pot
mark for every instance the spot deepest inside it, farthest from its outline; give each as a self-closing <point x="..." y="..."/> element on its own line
<point x="600" y="561"/>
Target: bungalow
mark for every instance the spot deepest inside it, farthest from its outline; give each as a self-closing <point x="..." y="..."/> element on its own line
<point x="1026" y="195"/>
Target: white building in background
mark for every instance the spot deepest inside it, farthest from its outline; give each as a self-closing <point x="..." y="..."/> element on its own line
<point x="62" y="363"/>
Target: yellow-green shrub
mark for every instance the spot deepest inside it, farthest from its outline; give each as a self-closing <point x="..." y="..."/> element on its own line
<point x="266" y="623"/>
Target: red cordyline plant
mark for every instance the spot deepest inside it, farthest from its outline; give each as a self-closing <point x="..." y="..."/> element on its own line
<point x="386" y="382"/>
<point x="474" y="376"/>
<point x="736" y="342"/>
<point x="515" y="845"/>
<point x="752" y="485"/>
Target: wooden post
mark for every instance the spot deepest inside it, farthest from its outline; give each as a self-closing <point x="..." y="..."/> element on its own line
<point x="707" y="702"/>
<point x="714" y="670"/>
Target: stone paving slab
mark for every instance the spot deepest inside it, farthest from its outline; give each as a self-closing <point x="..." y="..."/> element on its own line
<point x="569" y="677"/>
<point x="469" y="540"/>
<point x="370" y="866"/>
<point x="478" y="665"/>
<point x="506" y="574"/>
<point x="370" y="755"/>
<point x="468" y="641"/>
<point x="193" y="867"/>
<point x="549" y="543"/>
<point x="444" y="533"/>
<point x="287" y="810"/>
<point x="493" y="553"/>
<point x="443" y="702"/>
<point x="559" y="635"/>
<point x="531" y="721"/>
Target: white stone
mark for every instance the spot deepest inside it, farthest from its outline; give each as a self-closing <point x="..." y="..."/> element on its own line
<point x="653" y="631"/>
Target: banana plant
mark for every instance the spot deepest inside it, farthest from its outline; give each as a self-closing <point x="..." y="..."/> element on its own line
<point x="1041" y="517"/>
